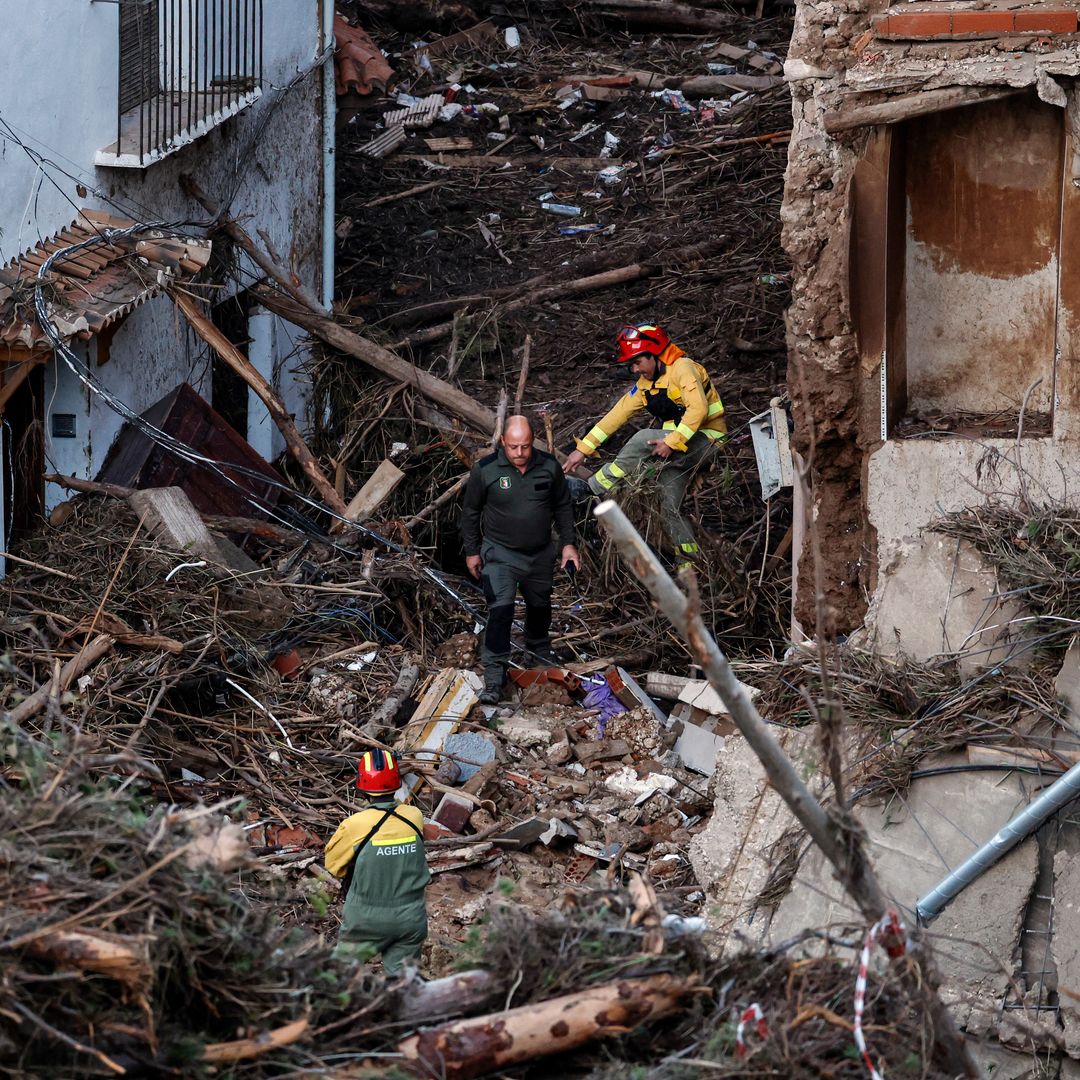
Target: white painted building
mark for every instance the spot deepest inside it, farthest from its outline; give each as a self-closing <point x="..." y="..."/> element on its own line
<point x="104" y="106"/>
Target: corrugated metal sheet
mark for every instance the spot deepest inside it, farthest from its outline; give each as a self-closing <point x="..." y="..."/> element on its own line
<point x="98" y="284"/>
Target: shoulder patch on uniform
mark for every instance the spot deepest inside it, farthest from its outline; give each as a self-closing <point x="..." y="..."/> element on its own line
<point x="633" y="389"/>
<point x="487" y="459"/>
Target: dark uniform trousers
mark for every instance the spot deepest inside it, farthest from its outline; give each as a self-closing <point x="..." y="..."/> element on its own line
<point x="505" y="571"/>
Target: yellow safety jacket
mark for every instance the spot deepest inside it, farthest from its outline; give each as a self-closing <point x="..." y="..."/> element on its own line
<point x="682" y="398"/>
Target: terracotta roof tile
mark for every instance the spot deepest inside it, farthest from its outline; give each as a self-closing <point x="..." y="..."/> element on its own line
<point x="96" y="285"/>
<point x="359" y="64"/>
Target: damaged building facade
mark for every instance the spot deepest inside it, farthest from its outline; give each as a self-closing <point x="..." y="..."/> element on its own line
<point x="931" y="212"/>
<point x="107" y="110"/>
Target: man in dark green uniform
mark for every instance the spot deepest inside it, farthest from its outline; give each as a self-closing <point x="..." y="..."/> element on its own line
<point x="380" y="854"/>
<point x="511" y="500"/>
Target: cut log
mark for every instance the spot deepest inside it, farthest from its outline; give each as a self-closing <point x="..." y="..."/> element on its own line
<point x="468" y="1048"/>
<point x="242" y="1049"/>
<point x="125" y="959"/>
<point x="169" y="515"/>
<point x="851" y="115"/>
<point x="88" y="655"/>
<point x="376" y="490"/>
<point x="449" y="996"/>
<point x="266" y="394"/>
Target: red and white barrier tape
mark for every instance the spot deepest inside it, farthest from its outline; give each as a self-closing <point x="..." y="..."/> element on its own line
<point x="751" y="1015"/>
<point x="890" y="933"/>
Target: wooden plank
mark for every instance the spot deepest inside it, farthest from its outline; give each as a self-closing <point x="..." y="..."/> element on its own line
<point x="376" y="490"/>
<point x="906" y="106"/>
<point x="453" y="142"/>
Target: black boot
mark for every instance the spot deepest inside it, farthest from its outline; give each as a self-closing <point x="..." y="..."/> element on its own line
<point x="494" y="677"/>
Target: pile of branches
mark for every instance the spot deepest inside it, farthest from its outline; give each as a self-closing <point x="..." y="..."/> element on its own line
<point x="900" y="711"/>
<point x="128" y="944"/>
<point x="1036" y="552"/>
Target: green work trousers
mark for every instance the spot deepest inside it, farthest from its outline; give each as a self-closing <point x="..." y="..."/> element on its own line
<point x="673" y="477"/>
<point x="503" y="572"/>
<point x="397" y="933"/>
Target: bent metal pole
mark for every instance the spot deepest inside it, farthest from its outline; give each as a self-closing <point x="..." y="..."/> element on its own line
<point x="1057" y="795"/>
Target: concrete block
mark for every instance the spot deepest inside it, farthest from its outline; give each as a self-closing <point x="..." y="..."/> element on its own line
<point x="733" y="855"/>
<point x="470" y="750"/>
<point x="698" y="747"/>
<point x="1067" y="683"/>
<point x="913" y="842"/>
<point x="935" y="596"/>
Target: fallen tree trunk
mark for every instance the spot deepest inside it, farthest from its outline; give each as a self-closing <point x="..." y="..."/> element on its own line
<point x="382" y="360"/>
<point x="274" y="405"/>
<point x="483" y="1044"/>
<point x="537" y="296"/>
<point x="89" y="654"/>
<point x="836" y="835"/>
<point x="125" y="959"/>
<point x="381" y="722"/>
<point x="661" y="261"/>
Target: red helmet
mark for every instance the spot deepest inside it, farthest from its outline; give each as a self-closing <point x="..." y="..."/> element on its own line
<point x="379" y="774"/>
<point x="634" y="340"/>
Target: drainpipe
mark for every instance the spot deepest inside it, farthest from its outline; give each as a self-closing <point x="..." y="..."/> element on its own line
<point x="1057" y="795"/>
<point x="329" y="147"/>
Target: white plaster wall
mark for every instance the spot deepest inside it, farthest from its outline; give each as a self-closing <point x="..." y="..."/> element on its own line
<point x="58" y="85"/>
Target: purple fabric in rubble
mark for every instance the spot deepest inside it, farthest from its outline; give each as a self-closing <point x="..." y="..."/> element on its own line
<point x="600" y="696"/>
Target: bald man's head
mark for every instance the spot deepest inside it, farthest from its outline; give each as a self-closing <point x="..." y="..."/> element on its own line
<point x="517" y="440"/>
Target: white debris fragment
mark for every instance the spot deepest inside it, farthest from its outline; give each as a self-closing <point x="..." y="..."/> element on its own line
<point x="625" y="782"/>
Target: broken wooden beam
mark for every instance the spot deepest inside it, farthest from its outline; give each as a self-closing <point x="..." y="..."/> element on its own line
<point x="239" y="363"/>
<point x="382" y="360"/>
<point x="263" y="1043"/>
<point x="378" y="487"/>
<point x="125" y="959"/>
<point x="88" y="655"/>
<point x="893" y="110"/>
<point x="463" y="1049"/>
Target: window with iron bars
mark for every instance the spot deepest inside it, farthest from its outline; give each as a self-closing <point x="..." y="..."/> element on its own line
<point x="184" y="67"/>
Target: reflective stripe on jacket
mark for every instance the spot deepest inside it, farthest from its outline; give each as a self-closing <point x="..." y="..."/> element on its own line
<point x="391" y="868"/>
<point x="682" y="398"/>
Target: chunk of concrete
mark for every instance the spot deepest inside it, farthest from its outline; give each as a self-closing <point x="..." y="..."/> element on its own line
<point x="733" y="855"/>
<point x="913" y="842"/>
<point x="938" y="595"/>
<point x="1065" y="943"/>
<point x="1067" y="683"/>
<point x="469" y="750"/>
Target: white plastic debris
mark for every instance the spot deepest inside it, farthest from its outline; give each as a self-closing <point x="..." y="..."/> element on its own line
<point x="680" y="925"/>
<point x="449" y="112"/>
<point x="496" y="136"/>
<point x="570" y="99"/>
<point x="613" y="174"/>
<point x="512" y="37"/>
<point x="561" y="208"/>
<point x="538" y="140"/>
<point x="611" y="144"/>
<point x="675" y="99"/>
<point x="626" y="783"/>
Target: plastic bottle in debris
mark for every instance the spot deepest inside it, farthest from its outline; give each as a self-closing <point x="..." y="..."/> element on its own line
<point x="561" y="208"/>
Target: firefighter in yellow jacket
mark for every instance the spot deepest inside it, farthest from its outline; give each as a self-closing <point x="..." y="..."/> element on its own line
<point x="678" y="395"/>
<point x="380" y="854"/>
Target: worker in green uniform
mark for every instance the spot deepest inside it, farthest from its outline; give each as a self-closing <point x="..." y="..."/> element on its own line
<point x="380" y="854"/>
<point x="678" y="394"/>
<point x="511" y="500"/>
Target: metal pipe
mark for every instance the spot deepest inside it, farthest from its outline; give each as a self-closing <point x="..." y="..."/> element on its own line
<point x="326" y="47"/>
<point x="1057" y="795"/>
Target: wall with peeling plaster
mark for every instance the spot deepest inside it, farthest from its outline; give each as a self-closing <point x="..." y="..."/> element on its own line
<point x="959" y="264"/>
<point x="58" y="76"/>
